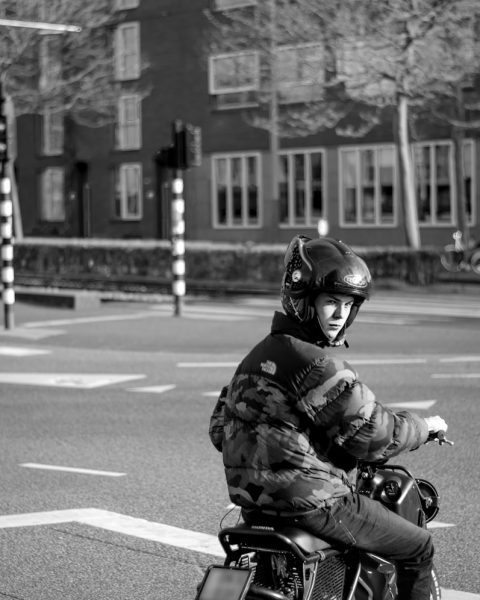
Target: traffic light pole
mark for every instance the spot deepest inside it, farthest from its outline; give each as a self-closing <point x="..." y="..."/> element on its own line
<point x="6" y="214"/>
<point x="178" y="243"/>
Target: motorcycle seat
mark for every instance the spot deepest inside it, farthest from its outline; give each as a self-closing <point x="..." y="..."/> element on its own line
<point x="259" y="535"/>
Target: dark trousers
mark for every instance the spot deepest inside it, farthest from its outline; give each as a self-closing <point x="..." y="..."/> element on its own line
<point x="358" y="521"/>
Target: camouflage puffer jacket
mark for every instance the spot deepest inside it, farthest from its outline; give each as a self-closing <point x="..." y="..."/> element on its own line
<point x="293" y="422"/>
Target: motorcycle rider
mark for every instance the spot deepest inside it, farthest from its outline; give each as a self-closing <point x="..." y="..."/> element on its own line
<point x="295" y="419"/>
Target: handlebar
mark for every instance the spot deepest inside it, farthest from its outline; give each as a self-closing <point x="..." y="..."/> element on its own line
<point x="440" y="437"/>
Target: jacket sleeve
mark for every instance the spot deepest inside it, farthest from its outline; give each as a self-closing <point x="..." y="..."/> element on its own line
<point x="347" y="411"/>
<point x="217" y="420"/>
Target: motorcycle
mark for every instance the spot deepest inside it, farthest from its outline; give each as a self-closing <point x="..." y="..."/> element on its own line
<point x="455" y="257"/>
<point x="287" y="563"/>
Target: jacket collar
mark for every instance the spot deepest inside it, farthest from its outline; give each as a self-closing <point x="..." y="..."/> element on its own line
<point x="308" y="332"/>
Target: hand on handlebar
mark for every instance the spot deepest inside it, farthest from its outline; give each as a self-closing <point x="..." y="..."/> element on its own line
<point x="437" y="428"/>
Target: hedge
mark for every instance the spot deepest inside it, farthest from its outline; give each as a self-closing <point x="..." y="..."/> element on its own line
<point x="143" y="265"/>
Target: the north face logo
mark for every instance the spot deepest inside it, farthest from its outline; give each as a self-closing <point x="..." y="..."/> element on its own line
<point x="269" y="367"/>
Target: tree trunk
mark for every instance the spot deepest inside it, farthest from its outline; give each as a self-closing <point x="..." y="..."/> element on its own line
<point x="409" y="201"/>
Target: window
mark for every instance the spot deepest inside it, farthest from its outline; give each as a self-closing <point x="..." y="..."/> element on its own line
<point x="434" y="181"/>
<point x="234" y="72"/>
<point x="53" y="131"/>
<point x="301" y="179"/>
<point x="236" y="190"/>
<point x="126" y="4"/>
<point x="52" y="197"/>
<point x="128" y="196"/>
<point x="127" y="51"/>
<point x="367" y="186"/>
<point x="226" y="4"/>
<point x="50" y="62"/>
<point x="129" y="133"/>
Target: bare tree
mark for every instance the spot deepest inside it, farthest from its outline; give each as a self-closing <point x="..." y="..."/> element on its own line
<point x="70" y="74"/>
<point x="408" y="54"/>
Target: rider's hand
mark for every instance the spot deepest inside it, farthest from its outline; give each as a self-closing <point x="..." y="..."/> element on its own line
<point x="436" y="424"/>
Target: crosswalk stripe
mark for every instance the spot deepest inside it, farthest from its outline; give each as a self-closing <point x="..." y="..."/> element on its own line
<point x="153" y="389"/>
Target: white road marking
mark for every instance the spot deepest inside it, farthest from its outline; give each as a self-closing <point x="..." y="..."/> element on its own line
<point x="82" y="320"/>
<point x="141" y="528"/>
<point x="415" y="404"/>
<point x="439" y="525"/>
<point x="216" y="394"/>
<point x="72" y="470"/>
<point x="154" y="389"/>
<point x="118" y="523"/>
<point x="67" y="380"/>
<point x="388" y="361"/>
<point x="457" y="359"/>
<point x="31" y="334"/>
<point x="18" y="351"/>
<point x="455" y="375"/>
<point x="201" y="365"/>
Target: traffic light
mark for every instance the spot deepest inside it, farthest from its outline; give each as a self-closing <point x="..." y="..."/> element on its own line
<point x="3" y="138"/>
<point x="187" y="143"/>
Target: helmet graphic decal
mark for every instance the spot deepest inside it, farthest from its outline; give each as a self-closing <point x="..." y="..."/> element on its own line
<point x="356" y="280"/>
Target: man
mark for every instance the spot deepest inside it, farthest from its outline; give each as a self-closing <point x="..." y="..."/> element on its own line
<point x="294" y="421"/>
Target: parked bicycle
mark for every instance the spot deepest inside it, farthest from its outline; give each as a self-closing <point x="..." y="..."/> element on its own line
<point x="456" y="257"/>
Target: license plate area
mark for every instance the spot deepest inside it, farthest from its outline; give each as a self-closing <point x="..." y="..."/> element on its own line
<point x="224" y="583"/>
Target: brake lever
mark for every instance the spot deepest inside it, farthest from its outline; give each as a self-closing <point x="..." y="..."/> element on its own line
<point x="442" y="439"/>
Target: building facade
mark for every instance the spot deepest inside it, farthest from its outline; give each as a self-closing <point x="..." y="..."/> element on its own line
<point x="112" y="184"/>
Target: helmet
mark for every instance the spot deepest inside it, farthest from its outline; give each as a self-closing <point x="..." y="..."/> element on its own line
<point x="322" y="265"/>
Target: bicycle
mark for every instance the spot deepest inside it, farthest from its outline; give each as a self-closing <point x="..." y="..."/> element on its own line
<point x="455" y="257"/>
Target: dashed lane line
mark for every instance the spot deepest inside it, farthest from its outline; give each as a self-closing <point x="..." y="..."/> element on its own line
<point x="20" y="352"/>
<point x="153" y="389"/>
<point x="455" y="375"/>
<point x="72" y="470"/>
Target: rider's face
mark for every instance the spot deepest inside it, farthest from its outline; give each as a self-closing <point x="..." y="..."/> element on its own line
<point x="333" y="311"/>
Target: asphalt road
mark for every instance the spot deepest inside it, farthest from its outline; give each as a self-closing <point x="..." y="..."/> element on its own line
<point x="104" y="412"/>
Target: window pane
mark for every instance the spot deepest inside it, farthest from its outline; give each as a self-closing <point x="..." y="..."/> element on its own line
<point x="316" y="178"/>
<point x="299" y="187"/>
<point x="468" y="170"/>
<point x="53" y="198"/>
<point x="283" y="178"/>
<point x="422" y="176"/>
<point x="252" y="189"/>
<point x="221" y="180"/>
<point x="237" y="190"/>
<point x="367" y="162"/>
<point x="349" y="177"/>
<point x="386" y="162"/>
<point x="234" y="72"/>
<point x="443" y="189"/>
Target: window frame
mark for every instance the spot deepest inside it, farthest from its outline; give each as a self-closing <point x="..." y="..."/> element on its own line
<point x="360" y="223"/>
<point x="52" y="128"/>
<point x="215" y="90"/>
<point x="231" y="4"/>
<point x="120" y="173"/>
<point x="230" y="224"/>
<point x="122" y="54"/>
<point x="309" y="220"/>
<point x="434" y="222"/>
<point x="126" y="4"/>
<point x="49" y="197"/>
<point x="128" y="128"/>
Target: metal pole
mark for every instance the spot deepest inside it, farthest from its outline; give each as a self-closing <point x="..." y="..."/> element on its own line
<point x="7" y="248"/>
<point x="178" y="243"/>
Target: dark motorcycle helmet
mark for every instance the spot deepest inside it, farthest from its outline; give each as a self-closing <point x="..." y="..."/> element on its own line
<point x="322" y="265"/>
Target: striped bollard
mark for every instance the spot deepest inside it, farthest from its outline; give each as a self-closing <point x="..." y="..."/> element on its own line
<point x="178" y="243"/>
<point x="6" y="212"/>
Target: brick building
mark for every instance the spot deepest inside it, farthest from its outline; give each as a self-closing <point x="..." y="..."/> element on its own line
<point x="116" y="190"/>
